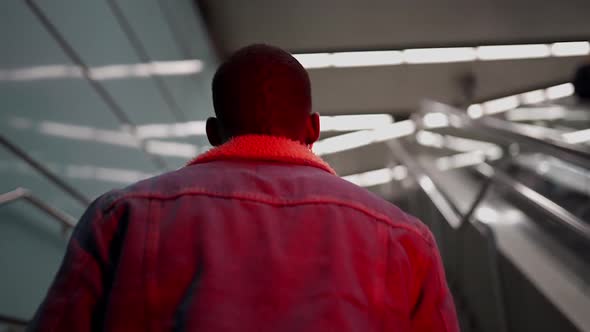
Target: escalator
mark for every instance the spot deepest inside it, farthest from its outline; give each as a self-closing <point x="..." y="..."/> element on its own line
<point x="509" y="207"/>
<point x="565" y="115"/>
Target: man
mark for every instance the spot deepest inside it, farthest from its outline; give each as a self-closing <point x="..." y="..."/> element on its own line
<point x="258" y="234"/>
<point x="581" y="82"/>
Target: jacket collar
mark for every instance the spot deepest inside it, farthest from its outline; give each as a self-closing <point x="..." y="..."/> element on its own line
<point x="267" y="148"/>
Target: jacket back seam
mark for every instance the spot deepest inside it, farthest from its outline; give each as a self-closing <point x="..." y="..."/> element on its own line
<point x="276" y="202"/>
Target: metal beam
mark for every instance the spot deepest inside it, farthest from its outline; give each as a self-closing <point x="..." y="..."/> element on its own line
<point x="113" y="106"/>
<point x="143" y="55"/>
<point x="54" y="178"/>
<point x="63" y="218"/>
<point x="13" y="320"/>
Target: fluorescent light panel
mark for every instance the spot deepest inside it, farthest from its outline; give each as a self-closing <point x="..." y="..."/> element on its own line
<point x="366" y="59"/>
<point x="116" y="175"/>
<point x="428" y="138"/>
<point x="83" y="133"/>
<point x="435" y="120"/>
<point x="120" y="138"/>
<point x="314" y="60"/>
<point x="459" y="144"/>
<point x="165" y="130"/>
<point x="560" y="91"/>
<point x="570" y="49"/>
<point x="577" y="137"/>
<point x="460" y="160"/>
<point x="533" y="97"/>
<point x="110" y="72"/>
<point x="501" y="105"/>
<point x="528" y="98"/>
<point x="441" y="55"/>
<point x="378" y="176"/>
<point x="327" y="124"/>
<point x="172" y="149"/>
<point x="505" y="52"/>
<point x="475" y="111"/>
<point x="354" y="122"/>
<point x="368" y="128"/>
<point x="364" y="137"/>
<point x="536" y="113"/>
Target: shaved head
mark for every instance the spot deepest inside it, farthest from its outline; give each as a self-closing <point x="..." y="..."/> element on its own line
<point x="262" y="90"/>
<point x="582" y="82"/>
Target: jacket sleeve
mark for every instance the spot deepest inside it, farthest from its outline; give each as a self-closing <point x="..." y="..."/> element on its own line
<point x="434" y="309"/>
<point x="77" y="292"/>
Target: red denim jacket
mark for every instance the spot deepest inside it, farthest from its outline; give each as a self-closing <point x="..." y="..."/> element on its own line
<point x="256" y="235"/>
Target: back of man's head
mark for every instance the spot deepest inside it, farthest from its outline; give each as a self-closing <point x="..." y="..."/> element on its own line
<point x="582" y="82"/>
<point x="262" y="90"/>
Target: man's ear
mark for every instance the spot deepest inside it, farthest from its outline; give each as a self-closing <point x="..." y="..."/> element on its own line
<point x="312" y="132"/>
<point x="213" y="128"/>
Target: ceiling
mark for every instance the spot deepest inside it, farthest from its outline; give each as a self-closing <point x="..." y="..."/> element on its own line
<point x="308" y="26"/>
<point x="329" y="26"/>
<point x="344" y="25"/>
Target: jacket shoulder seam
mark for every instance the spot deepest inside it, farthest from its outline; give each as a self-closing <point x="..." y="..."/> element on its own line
<point x="252" y="197"/>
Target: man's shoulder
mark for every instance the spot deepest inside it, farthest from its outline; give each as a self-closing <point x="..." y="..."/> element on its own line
<point x="303" y="184"/>
<point x="152" y="186"/>
<point x="167" y="185"/>
<point x="332" y="189"/>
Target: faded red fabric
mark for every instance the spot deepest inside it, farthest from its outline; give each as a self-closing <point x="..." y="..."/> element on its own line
<point x="256" y="235"/>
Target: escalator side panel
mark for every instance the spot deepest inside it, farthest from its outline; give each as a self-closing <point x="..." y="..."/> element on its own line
<point x="526" y="308"/>
<point x="478" y="281"/>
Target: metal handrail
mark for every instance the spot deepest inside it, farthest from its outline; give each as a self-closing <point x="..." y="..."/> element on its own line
<point x="13" y="320"/>
<point x="543" y="143"/>
<point x="456" y="219"/>
<point x="569" y="153"/>
<point x="566" y="218"/>
<point x="66" y="221"/>
<point x="493" y="127"/>
<point x="495" y="174"/>
<point x="446" y="208"/>
<point x="47" y="173"/>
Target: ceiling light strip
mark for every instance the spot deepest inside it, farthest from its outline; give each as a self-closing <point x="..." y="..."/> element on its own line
<point x="104" y="73"/>
<point x="442" y="55"/>
<point x="364" y="137"/>
<point x="510" y="103"/>
<point x="378" y="176"/>
<point x="339" y="123"/>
